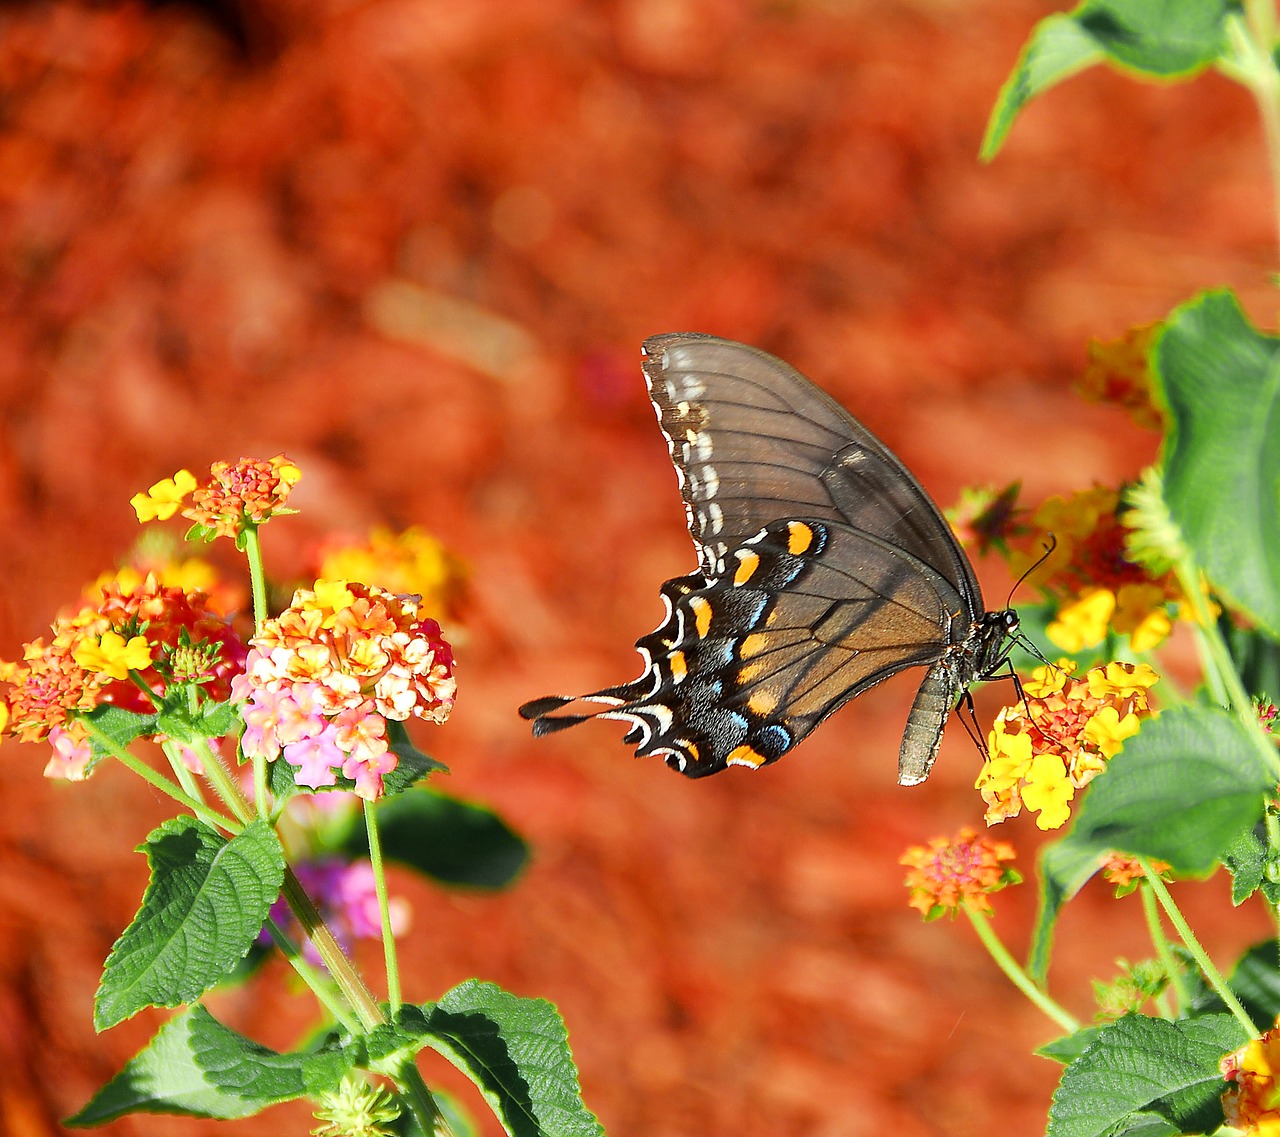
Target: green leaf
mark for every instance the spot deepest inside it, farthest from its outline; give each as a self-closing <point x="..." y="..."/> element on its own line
<point x="202" y="910"/>
<point x="414" y="765"/>
<point x="456" y="842"/>
<point x="1161" y="38"/>
<point x="1139" y="1065"/>
<point x="196" y="1066"/>
<point x="1058" y="48"/>
<point x="515" y="1050"/>
<point x="1246" y="860"/>
<point x="119" y="725"/>
<point x="1070" y="1046"/>
<point x="1183" y="790"/>
<point x="1221" y="383"/>
<point x="1255" y="654"/>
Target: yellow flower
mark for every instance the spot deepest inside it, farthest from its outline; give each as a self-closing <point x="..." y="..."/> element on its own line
<point x="1140" y="611"/>
<point x="1084" y="623"/>
<point x="1121" y="679"/>
<point x="1252" y="1101"/>
<point x="162" y="500"/>
<point x="1046" y="681"/>
<point x="1107" y="730"/>
<point x="113" y="656"/>
<point x="1009" y="757"/>
<point x="329" y="598"/>
<point x="1048" y="790"/>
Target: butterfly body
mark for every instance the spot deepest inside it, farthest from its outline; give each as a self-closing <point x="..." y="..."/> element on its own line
<point x="824" y="568"/>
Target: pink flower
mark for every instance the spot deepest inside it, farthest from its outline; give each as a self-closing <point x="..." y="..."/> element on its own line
<point x="316" y="757"/>
<point x="70" y="758"/>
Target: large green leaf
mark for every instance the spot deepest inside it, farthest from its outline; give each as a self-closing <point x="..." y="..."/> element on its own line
<point x="202" y="910"/>
<point x="1139" y="1066"/>
<point x="195" y="1065"/>
<point x="515" y="1050"/>
<point x="1221" y="382"/>
<point x="1164" y="38"/>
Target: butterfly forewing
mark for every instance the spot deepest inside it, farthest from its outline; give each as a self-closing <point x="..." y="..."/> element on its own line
<point x="824" y="569"/>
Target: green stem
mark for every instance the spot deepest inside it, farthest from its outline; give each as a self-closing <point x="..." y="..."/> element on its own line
<point x="257" y="575"/>
<point x="180" y="771"/>
<point x="1165" y="953"/>
<point x="223" y="783"/>
<point x="1188" y="937"/>
<point x="159" y="781"/>
<point x="1250" y="62"/>
<point x="1017" y="976"/>
<point x="318" y="983"/>
<point x="384" y="906"/>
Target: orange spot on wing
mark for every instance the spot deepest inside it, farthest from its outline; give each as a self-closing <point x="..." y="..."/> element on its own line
<point x="746" y="756"/>
<point x="799" y="537"/>
<point x="701" y="608"/>
<point x="748" y="562"/>
<point x="763" y="703"/>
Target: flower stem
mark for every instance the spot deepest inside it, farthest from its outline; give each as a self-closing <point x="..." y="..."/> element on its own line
<point x="319" y="984"/>
<point x="257" y="575"/>
<point x="1151" y="910"/>
<point x="1017" y="976"/>
<point x="223" y="783"/>
<point x="159" y="781"/>
<point x="384" y="906"/>
<point x="1188" y="937"/>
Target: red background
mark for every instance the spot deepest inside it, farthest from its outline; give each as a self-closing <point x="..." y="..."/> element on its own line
<point x="415" y="244"/>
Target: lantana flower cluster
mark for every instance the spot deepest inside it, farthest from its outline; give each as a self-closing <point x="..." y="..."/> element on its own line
<point x="249" y="491"/>
<point x="1251" y="1103"/>
<point x="139" y="634"/>
<point x="948" y="873"/>
<point x="321" y="680"/>
<point x="1059" y="737"/>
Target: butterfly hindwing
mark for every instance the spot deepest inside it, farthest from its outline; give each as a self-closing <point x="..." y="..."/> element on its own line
<point x="747" y="664"/>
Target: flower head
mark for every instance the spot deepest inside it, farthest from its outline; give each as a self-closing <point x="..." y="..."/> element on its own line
<point x="356" y="1109"/>
<point x="1125" y="871"/>
<point x="1059" y="737"/>
<point x="986" y="517"/>
<point x="1252" y="1102"/>
<point x="322" y="679"/>
<point x="242" y="495"/>
<point x="1119" y="371"/>
<point x="946" y="874"/>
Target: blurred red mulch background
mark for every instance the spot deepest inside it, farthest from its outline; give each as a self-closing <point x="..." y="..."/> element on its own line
<point x="416" y="244"/>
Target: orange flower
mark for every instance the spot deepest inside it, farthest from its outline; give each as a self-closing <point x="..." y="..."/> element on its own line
<point x="1123" y="870"/>
<point x="947" y="874"/>
<point x="1059" y="737"/>
<point x="242" y="495"/>
<point x="1252" y="1103"/>
<point x="1119" y="371"/>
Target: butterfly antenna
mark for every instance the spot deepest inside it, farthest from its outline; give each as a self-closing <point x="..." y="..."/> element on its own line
<point x="1051" y="543"/>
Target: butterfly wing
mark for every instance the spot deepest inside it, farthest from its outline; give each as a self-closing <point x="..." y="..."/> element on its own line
<point x="753" y="441"/>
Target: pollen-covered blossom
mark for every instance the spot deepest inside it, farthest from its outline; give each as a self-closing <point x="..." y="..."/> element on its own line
<point x="322" y="679"/>
<point x="247" y="492"/>
<point x="946" y="874"/>
<point x="94" y="654"/>
<point x="1251" y="1103"/>
<point x="1059" y="737"/>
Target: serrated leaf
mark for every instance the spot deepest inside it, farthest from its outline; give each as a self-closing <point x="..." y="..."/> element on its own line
<point x="1183" y="789"/>
<point x="202" y="910"/>
<point x="1221" y="383"/>
<point x="1246" y="860"/>
<point x="413" y="766"/>
<point x="119" y="725"/>
<point x="1165" y="38"/>
<point x="515" y="1050"/>
<point x="1140" y="1065"/>
<point x="196" y="1066"/>
<point x="1070" y="1046"/>
<point x="454" y="841"/>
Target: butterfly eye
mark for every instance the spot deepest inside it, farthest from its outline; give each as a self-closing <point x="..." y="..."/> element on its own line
<point x="824" y="568"/>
